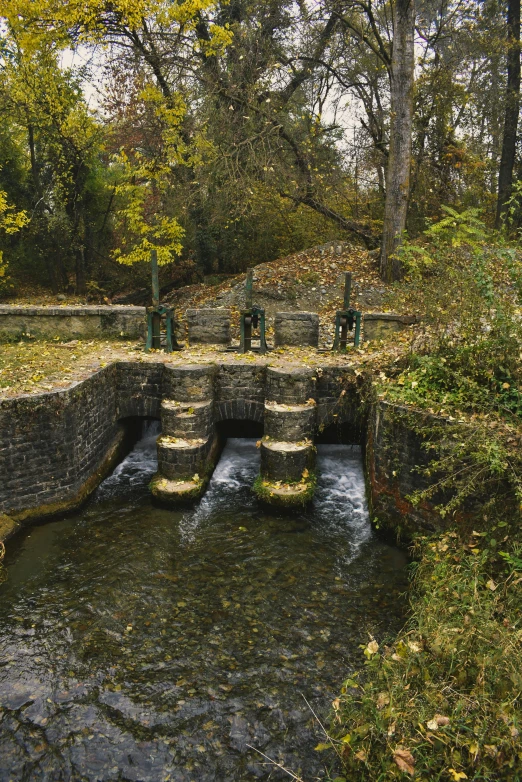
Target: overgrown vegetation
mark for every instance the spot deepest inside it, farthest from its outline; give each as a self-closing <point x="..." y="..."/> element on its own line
<point x="442" y="701"/>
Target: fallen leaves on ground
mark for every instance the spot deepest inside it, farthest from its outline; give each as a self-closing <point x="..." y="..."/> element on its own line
<point x="404" y="760"/>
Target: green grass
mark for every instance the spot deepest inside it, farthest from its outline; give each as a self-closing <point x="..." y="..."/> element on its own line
<point x="443" y="701"/>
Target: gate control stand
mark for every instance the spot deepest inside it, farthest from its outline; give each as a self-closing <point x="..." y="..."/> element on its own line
<point x="156" y="313"/>
<point x="251" y="319"/>
<point x="345" y="320"/>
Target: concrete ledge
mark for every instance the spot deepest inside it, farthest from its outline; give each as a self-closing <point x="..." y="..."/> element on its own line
<point x="172" y="492"/>
<point x="284" y="496"/>
<point x="85" y="322"/>
<point x="8" y="527"/>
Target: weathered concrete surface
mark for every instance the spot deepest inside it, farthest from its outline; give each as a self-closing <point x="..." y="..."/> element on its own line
<point x="8" y="527"/>
<point x="85" y="322"/>
<point x="187" y="420"/>
<point x="296" y="328"/>
<point x="383" y="325"/>
<point x="290" y="385"/>
<point x="208" y="326"/>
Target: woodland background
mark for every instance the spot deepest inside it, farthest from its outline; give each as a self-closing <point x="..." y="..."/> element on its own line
<point x="226" y="134"/>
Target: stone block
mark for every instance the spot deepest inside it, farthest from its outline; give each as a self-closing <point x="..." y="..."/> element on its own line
<point x="286" y="462"/>
<point x="208" y="326"/>
<point x="383" y="325"/>
<point x="189" y="383"/>
<point x="296" y="329"/>
<point x="292" y="423"/>
<point x="187" y="420"/>
<point x="78" y="322"/>
<point x="290" y="385"/>
<point x="182" y="458"/>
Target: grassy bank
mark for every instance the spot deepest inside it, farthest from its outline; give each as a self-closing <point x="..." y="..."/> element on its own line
<point x="443" y="702"/>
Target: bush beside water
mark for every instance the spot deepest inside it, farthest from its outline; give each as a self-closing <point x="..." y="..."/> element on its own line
<point x="442" y="701"/>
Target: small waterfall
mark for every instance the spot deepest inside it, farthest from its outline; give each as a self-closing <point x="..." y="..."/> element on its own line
<point x="136" y="470"/>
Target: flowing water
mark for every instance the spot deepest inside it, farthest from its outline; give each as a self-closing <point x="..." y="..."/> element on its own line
<point x="141" y="644"/>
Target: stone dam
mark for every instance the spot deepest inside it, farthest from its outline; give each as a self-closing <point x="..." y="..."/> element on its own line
<point x="56" y="447"/>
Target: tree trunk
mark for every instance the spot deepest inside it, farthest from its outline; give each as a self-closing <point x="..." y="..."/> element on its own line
<point x="81" y="282"/>
<point x="401" y="120"/>
<point x="509" y="143"/>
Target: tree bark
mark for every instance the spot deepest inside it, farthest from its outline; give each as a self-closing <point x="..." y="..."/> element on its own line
<point x="509" y="142"/>
<point x="401" y="120"/>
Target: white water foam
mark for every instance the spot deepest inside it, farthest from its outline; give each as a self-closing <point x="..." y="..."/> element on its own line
<point x="340" y="498"/>
<point x="235" y="472"/>
<point x="136" y="470"/>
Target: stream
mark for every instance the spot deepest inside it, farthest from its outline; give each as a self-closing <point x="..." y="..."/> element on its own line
<point x="145" y="644"/>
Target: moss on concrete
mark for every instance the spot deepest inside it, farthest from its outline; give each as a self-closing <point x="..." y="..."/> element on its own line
<point x="8" y="527"/>
<point x="285" y="495"/>
<point x="182" y="491"/>
<point x="76" y="500"/>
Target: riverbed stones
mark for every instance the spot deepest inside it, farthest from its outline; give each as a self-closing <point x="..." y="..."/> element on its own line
<point x="296" y="329"/>
<point x="208" y="326"/>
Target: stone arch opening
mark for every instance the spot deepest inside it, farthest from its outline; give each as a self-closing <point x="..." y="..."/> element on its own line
<point x="239" y="427"/>
<point x="348" y="432"/>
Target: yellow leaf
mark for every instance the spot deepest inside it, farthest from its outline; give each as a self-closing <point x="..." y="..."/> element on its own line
<point x="456" y="775"/>
<point x="371" y="649"/>
<point x="321" y="747"/>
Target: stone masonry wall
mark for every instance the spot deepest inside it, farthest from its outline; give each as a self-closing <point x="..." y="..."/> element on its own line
<point x="52" y="445"/>
<point x="56" y="447"/>
<point x="394" y="453"/>
<point x="67" y="323"/>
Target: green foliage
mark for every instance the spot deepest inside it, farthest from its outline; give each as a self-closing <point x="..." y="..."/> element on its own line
<point x="444" y="696"/>
<point x="465" y="369"/>
<point x="11" y="222"/>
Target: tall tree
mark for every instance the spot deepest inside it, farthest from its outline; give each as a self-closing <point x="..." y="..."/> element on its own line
<point x="401" y="125"/>
<point x="509" y="143"/>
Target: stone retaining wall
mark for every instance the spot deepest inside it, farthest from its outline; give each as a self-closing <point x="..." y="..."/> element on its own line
<point x="56" y="447"/>
<point x="394" y="454"/>
<point x="85" y="322"/>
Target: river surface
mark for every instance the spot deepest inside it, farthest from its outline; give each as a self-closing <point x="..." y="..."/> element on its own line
<point x="141" y="644"/>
